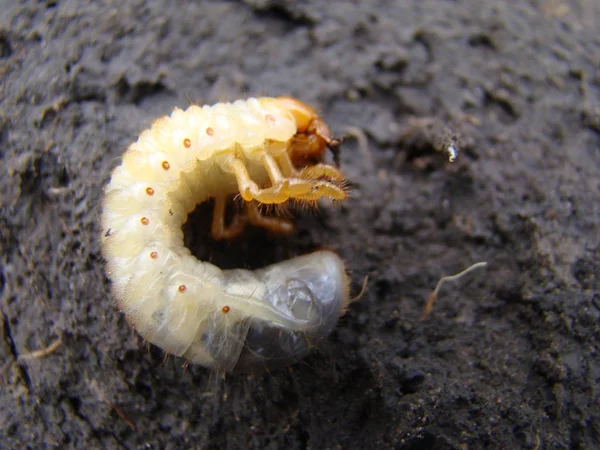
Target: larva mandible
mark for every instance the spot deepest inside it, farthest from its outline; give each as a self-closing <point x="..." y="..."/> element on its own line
<point x="267" y="150"/>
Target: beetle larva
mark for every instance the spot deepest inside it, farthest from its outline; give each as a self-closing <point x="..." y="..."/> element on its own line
<point x="267" y="150"/>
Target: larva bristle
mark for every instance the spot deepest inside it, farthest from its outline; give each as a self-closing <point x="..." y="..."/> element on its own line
<point x="282" y="210"/>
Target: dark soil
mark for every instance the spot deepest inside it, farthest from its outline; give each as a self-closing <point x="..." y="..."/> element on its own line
<point x="509" y="358"/>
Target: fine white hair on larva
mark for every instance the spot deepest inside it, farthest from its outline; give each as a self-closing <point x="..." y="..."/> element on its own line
<point x="267" y="151"/>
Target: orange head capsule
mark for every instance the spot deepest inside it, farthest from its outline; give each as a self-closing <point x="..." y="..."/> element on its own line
<point x="313" y="136"/>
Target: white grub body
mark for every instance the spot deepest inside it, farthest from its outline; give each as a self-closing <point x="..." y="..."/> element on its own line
<point x="225" y="320"/>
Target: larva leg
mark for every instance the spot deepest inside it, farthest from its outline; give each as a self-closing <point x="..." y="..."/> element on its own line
<point x="299" y="187"/>
<point x="322" y="170"/>
<point x="286" y="166"/>
<point x="283" y="188"/>
<point x="295" y="187"/>
<point x="249" y="190"/>
<point x="272" y="224"/>
<point x="309" y="172"/>
<point x="218" y="228"/>
<point x="251" y="214"/>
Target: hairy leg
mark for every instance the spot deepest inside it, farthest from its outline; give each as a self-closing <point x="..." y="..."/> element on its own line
<point x="283" y="185"/>
<point x="218" y="229"/>
<point x="273" y="224"/>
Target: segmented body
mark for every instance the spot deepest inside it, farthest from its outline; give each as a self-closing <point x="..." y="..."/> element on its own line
<point x="226" y="320"/>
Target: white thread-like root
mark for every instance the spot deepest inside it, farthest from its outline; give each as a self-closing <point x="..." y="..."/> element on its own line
<point x="440" y="283"/>
<point x="224" y="320"/>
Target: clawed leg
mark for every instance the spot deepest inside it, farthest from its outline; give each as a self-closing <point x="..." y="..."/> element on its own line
<point x="219" y="229"/>
<point x="249" y="190"/>
<point x="240" y="220"/>
<point x="312" y="176"/>
<point x="321" y="171"/>
<point x="310" y="172"/>
<point x="273" y="224"/>
<point x="287" y="182"/>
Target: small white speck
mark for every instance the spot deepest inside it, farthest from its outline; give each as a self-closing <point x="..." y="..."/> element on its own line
<point x="452" y="153"/>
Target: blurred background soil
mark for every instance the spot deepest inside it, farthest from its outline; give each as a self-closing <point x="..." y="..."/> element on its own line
<point x="507" y="359"/>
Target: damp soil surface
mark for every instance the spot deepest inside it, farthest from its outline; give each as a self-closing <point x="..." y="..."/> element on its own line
<point x="509" y="356"/>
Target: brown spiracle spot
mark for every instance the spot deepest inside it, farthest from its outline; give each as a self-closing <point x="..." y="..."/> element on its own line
<point x="225" y="309"/>
<point x="182" y="288"/>
<point x="154" y="255"/>
<point x="210" y="131"/>
<point x="166" y="165"/>
<point x="187" y="143"/>
<point x="149" y="191"/>
<point x="145" y="221"/>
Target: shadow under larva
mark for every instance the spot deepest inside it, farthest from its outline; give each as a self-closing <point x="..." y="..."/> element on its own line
<point x="267" y="153"/>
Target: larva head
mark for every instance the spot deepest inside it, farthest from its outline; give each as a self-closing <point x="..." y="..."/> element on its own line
<point x="312" y="138"/>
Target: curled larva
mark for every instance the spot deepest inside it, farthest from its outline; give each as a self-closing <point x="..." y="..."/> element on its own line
<point x="266" y="150"/>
